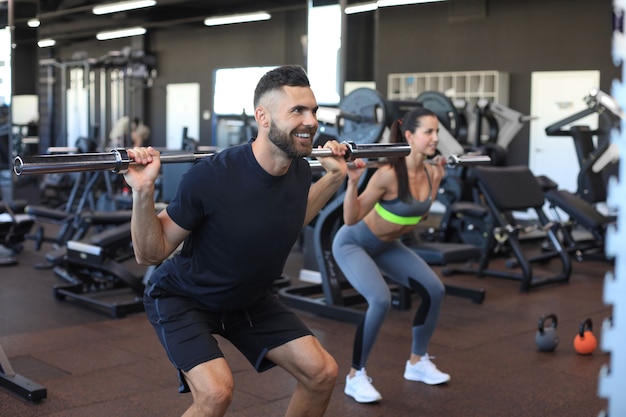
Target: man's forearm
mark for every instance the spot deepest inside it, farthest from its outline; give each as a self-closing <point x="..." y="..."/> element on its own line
<point x="321" y="191"/>
<point x="145" y="228"/>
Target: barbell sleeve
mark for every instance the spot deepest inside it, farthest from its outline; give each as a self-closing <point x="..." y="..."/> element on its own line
<point x="370" y="150"/>
<point x="316" y="166"/>
<point x="452" y="161"/>
<point x="118" y="160"/>
<point x="464" y="160"/>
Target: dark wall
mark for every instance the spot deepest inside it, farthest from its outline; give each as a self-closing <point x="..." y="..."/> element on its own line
<point x="514" y="36"/>
<point x="24" y="63"/>
<point x="24" y="53"/>
<point x="360" y="46"/>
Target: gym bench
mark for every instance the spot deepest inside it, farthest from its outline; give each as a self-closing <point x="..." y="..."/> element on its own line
<point x="95" y="275"/>
<point x="581" y="213"/>
<point x="505" y="190"/>
<point x="14" y="226"/>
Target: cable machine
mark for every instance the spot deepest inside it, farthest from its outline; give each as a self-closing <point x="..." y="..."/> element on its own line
<point x="92" y="94"/>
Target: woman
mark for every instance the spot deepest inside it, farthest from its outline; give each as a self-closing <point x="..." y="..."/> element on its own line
<point x="396" y="197"/>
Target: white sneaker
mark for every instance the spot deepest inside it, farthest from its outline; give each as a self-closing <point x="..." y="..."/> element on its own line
<point x="361" y="389"/>
<point x="425" y="371"/>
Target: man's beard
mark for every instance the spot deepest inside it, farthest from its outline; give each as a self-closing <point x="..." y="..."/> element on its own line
<point x="285" y="143"/>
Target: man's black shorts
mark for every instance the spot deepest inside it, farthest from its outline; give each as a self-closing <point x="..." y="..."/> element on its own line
<point x="185" y="328"/>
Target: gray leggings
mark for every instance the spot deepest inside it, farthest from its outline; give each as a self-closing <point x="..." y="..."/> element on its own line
<point x="363" y="258"/>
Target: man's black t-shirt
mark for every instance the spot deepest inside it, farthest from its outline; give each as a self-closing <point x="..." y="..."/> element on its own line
<point x="243" y="222"/>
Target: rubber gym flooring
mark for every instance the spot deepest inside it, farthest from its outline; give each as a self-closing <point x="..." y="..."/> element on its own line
<point x="94" y="365"/>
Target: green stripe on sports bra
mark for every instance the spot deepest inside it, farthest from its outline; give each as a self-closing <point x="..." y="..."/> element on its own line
<point x="394" y="218"/>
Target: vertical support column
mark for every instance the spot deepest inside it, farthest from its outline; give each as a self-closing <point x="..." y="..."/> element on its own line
<point x="6" y="180"/>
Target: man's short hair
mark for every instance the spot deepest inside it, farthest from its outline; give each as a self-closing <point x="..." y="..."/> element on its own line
<point x="286" y="75"/>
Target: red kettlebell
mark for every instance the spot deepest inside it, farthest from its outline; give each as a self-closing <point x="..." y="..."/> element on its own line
<point x="585" y="342"/>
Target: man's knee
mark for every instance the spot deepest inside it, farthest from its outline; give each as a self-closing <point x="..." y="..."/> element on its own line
<point x="211" y="385"/>
<point x="210" y="397"/>
<point x="324" y="372"/>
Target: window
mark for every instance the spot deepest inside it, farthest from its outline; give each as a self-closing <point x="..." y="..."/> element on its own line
<point x="324" y="51"/>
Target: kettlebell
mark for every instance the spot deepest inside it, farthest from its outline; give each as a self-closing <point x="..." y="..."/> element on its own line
<point x="546" y="337"/>
<point x="585" y="342"/>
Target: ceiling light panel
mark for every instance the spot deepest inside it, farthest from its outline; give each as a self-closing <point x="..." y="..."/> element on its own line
<point x="122" y="6"/>
<point x="237" y="18"/>
<point x="122" y="33"/>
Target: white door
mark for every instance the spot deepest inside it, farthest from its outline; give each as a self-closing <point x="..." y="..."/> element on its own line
<point x="556" y="95"/>
<point x="183" y="110"/>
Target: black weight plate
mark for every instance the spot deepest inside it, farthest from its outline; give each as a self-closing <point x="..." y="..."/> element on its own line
<point x="362" y="116"/>
<point x="443" y="107"/>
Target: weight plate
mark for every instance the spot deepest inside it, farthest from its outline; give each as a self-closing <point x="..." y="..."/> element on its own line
<point x="362" y="116"/>
<point x="445" y="110"/>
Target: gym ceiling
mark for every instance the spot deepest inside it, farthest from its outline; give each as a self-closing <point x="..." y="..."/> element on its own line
<point x="73" y="20"/>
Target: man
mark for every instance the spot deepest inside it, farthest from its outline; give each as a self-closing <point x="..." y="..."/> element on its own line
<point x="239" y="214"/>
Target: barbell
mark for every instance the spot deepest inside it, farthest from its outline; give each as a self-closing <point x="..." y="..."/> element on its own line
<point x="118" y="160"/>
<point x="451" y="161"/>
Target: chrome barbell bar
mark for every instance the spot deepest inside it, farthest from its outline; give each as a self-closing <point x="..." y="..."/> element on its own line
<point x="464" y="160"/>
<point x="452" y="161"/>
<point x="118" y="160"/>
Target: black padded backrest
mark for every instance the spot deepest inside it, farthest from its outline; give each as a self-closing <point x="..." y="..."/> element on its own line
<point x="578" y="209"/>
<point x="510" y="188"/>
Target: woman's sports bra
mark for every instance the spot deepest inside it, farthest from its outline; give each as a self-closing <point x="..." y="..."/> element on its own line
<point x="403" y="213"/>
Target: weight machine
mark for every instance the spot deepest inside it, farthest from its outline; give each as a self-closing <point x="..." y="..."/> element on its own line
<point x="502" y="126"/>
<point x="592" y="159"/>
<point x="93" y="93"/>
<point x="505" y="190"/>
<point x="579" y="207"/>
<point x="503" y="123"/>
<point x="466" y="219"/>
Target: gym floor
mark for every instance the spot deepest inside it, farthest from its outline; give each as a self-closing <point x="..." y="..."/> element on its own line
<point x="94" y="365"/>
